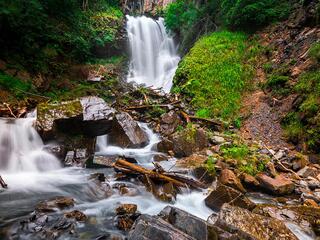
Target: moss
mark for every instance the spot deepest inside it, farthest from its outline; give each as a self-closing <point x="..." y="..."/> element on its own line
<point x="216" y="72"/>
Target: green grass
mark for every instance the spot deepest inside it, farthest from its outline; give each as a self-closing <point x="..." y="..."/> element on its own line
<point x="236" y="151"/>
<point x="215" y="73"/>
<point x="14" y="85"/>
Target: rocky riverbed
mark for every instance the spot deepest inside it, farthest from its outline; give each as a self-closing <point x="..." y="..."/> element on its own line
<point x="109" y="187"/>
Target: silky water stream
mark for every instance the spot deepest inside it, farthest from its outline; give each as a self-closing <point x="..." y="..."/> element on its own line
<point x="34" y="175"/>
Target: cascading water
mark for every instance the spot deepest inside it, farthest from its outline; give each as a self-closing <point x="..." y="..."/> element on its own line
<point x="21" y="148"/>
<point x="154" y="58"/>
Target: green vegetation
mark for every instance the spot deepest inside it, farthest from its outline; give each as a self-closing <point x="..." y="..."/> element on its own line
<point x="215" y="72"/>
<point x="249" y="15"/>
<point x="247" y="159"/>
<point x="303" y="124"/>
<point x="190" y="19"/>
<point x="15" y="85"/>
<point x="43" y="35"/>
<point x="210" y="165"/>
<point x="236" y="151"/>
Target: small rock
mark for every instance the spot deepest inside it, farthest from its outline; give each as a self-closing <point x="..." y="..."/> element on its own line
<point x="249" y="181"/>
<point x="279" y="185"/>
<point x="227" y="177"/>
<point x="224" y="194"/>
<point x="169" y="123"/>
<point x="308" y="172"/>
<point x="77" y="215"/>
<point x="165" y="145"/>
<point x="105" y="161"/>
<point x="56" y="203"/>
<point x="217" y="140"/>
<point x="126" y="209"/>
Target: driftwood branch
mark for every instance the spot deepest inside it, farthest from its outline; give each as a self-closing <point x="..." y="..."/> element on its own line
<point x="131" y="167"/>
<point x="190" y="118"/>
<point x="151" y="106"/>
<point x="7" y="106"/>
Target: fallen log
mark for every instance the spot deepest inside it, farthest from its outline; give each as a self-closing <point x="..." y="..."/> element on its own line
<point x="189" y="181"/>
<point x="2" y="183"/>
<point x="152" y="105"/>
<point x="122" y="164"/>
<point x="190" y="118"/>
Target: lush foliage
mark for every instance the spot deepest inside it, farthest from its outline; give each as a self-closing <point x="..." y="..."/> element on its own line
<point x="190" y="18"/>
<point x="303" y="124"/>
<point x="214" y="74"/>
<point x="251" y="14"/>
<point x="39" y="34"/>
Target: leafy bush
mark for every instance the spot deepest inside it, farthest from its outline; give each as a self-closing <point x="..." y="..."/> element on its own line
<point x="252" y="14"/>
<point x="214" y="74"/>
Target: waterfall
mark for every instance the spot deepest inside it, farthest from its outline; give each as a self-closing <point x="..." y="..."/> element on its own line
<point x="154" y="58"/>
<point x="21" y="148"/>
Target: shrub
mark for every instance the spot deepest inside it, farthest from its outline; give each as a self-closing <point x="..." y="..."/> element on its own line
<point x="250" y="14"/>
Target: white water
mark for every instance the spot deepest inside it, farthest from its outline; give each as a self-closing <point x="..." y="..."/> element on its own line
<point x="154" y="58"/>
<point x="21" y="148"/>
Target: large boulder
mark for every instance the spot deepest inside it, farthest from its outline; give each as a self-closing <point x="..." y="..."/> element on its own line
<point x="189" y="141"/>
<point x="148" y="227"/>
<point x="126" y="132"/>
<point x="280" y="185"/>
<point x="249" y="225"/>
<point x="187" y="223"/>
<point x="88" y="115"/>
<point x="225" y="194"/>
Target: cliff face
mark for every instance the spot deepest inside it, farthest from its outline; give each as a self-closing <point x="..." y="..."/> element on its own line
<point x="144" y="6"/>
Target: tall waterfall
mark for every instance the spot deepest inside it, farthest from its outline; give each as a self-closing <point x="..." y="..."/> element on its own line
<point x="21" y="148"/>
<point x="154" y="58"/>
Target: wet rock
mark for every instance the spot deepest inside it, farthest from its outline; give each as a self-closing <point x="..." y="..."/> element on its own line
<point x="56" y="149"/>
<point x="126" y="215"/>
<point x="249" y="225"/>
<point x="304" y="216"/>
<point x="187" y="223"/>
<point x="227" y="177"/>
<point x="88" y="115"/>
<point x="54" y="204"/>
<point x="299" y="162"/>
<point x="148" y="227"/>
<point x="169" y="122"/>
<point x="100" y="177"/>
<point x="77" y="215"/>
<point x="160" y="158"/>
<point x="126" y="132"/>
<point x="189" y="141"/>
<point x="104" y="161"/>
<point x="126" y="209"/>
<point x="165" y="145"/>
<point x="77" y="158"/>
<point x="279" y="185"/>
<point x="225" y="194"/>
<point x="126" y="190"/>
<point x="308" y="171"/>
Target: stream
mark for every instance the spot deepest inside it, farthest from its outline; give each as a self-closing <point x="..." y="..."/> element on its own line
<point x="34" y="175"/>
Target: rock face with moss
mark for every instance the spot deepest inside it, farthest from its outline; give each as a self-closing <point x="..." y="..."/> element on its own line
<point x="249" y="225"/>
<point x="88" y="115"/>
